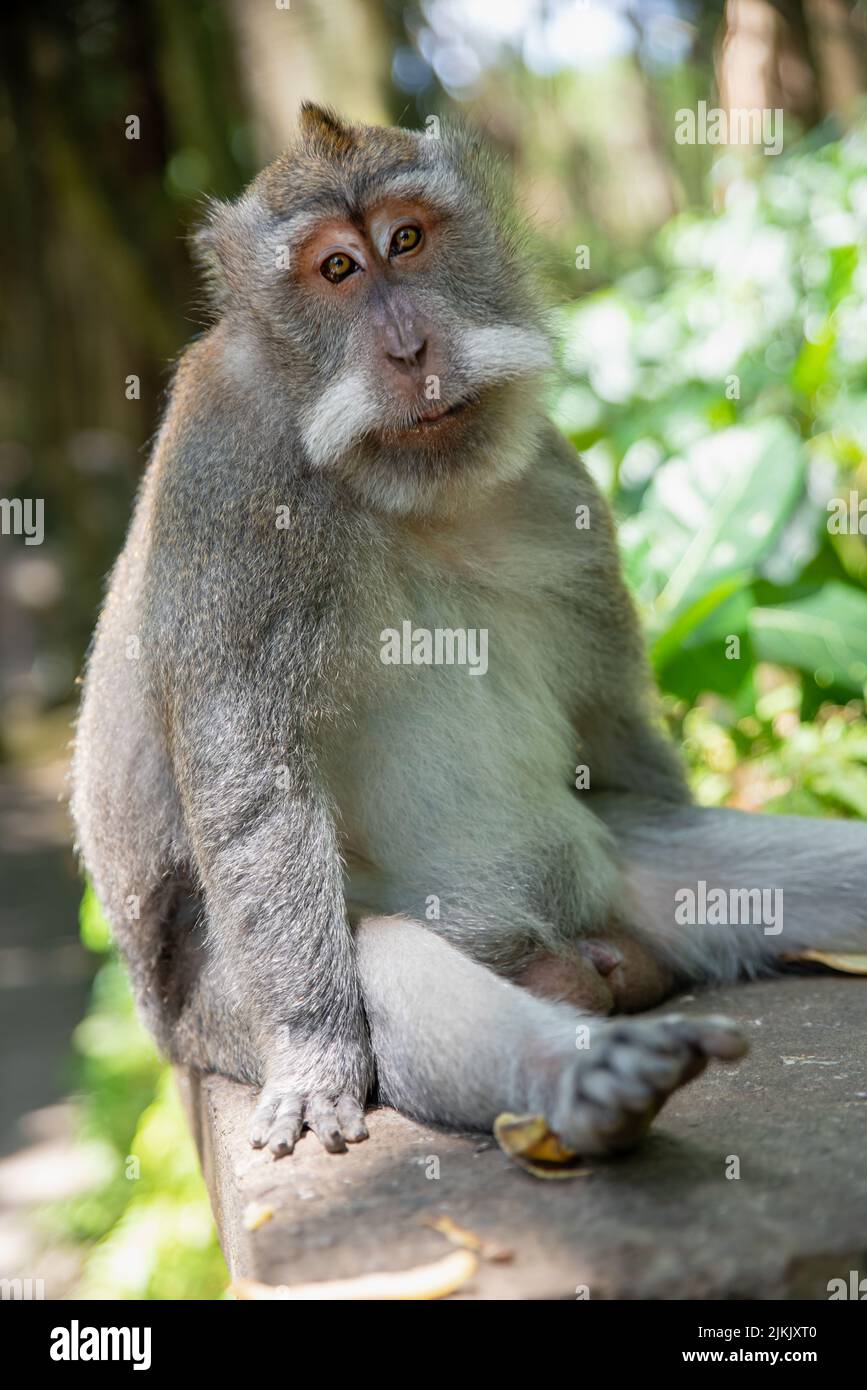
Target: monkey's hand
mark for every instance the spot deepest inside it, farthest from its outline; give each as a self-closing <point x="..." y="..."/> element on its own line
<point x="336" y="1118"/>
<point x="325" y="1095"/>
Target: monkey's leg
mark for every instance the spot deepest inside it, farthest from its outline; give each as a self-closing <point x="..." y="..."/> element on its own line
<point x="785" y="883"/>
<point x="456" y="1044"/>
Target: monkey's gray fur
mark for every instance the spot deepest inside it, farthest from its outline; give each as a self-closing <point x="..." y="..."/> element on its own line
<point x="327" y="874"/>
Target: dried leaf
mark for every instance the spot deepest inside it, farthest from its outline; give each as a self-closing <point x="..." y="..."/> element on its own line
<point x="844" y="962"/>
<point x="468" y="1240"/>
<point x="458" y="1235"/>
<point x="256" y="1215"/>
<point x="424" y="1282"/>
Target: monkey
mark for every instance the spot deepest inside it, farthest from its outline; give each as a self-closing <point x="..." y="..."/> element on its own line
<point x="343" y="877"/>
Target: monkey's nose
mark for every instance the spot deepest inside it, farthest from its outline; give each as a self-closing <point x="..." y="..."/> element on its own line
<point x="405" y="346"/>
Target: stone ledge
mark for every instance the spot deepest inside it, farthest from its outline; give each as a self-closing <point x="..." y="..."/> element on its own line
<point x="664" y="1222"/>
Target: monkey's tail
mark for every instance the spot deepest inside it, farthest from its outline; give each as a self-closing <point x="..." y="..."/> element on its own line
<point x="730" y="892"/>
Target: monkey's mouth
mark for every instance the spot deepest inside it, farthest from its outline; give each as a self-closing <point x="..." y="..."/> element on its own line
<point x="436" y="419"/>
<point x="437" y="415"/>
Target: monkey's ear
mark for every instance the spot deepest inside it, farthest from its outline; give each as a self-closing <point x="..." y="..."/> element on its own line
<point x="222" y="243"/>
<point x="319" y="125"/>
<point x="203" y="237"/>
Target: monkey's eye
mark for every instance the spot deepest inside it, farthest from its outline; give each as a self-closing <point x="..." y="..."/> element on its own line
<point x="337" y="267"/>
<point x="405" y="239"/>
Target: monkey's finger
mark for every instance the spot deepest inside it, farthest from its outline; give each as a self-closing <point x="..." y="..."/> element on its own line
<point x="350" y="1117"/>
<point x="712" y="1037"/>
<point x="721" y="1037"/>
<point x="321" y="1117"/>
<point x="263" y="1117"/>
<point x="607" y="1086"/>
<point x="660" y="1071"/>
<point x="286" y="1126"/>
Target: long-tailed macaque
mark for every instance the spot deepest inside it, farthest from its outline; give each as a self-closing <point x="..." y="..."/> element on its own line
<point x="351" y="654"/>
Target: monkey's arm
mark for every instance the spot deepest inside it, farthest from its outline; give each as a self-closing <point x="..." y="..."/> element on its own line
<point x="614" y="707"/>
<point x="242" y="644"/>
<point x="278" y="939"/>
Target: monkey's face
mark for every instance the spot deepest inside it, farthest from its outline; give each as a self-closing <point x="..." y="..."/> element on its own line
<point x="395" y="300"/>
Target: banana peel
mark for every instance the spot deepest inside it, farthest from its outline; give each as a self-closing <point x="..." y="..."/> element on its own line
<point x="529" y="1142"/>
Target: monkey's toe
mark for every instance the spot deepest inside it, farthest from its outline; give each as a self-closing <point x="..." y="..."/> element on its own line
<point x="280" y="1118"/>
<point x="607" y="1099"/>
<point x="350" y="1116"/>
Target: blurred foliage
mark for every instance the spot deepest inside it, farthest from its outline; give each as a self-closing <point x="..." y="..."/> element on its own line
<point x="770" y="759"/>
<point x="147" y="1226"/>
<point x="720" y="397"/>
<point x="98" y="288"/>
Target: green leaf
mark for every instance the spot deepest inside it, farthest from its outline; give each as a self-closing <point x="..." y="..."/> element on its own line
<point x="825" y="633"/>
<point x="698" y="623"/>
<point x="813" y="364"/>
<point x="845" y="786"/>
<point x="844" y="263"/>
<point x="712" y="515"/>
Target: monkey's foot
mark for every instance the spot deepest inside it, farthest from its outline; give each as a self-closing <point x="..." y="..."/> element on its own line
<point x="281" y="1116"/>
<point x="606" y="1099"/>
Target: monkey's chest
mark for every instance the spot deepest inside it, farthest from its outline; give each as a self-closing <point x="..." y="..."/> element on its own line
<point x="459" y="744"/>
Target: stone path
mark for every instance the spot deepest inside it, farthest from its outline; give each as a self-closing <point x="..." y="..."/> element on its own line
<point x="45" y="978"/>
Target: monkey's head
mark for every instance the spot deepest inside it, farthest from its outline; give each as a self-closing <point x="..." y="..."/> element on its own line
<point x="374" y="272"/>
